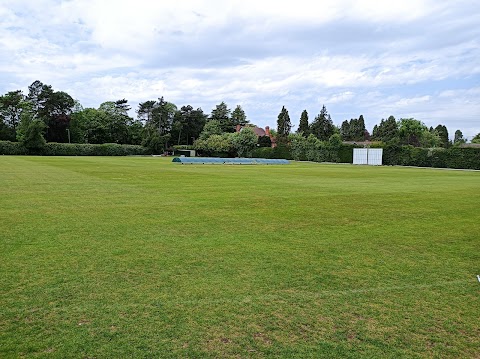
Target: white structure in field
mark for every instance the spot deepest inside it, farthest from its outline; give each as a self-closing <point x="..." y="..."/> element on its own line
<point x="367" y="156"/>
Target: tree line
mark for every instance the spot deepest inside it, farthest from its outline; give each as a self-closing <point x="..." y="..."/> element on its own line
<point x="45" y="115"/>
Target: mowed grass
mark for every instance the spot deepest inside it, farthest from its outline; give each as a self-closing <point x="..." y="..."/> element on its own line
<point x="141" y="257"/>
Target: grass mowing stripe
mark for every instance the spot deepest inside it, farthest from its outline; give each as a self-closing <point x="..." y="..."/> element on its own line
<point x="139" y="257"/>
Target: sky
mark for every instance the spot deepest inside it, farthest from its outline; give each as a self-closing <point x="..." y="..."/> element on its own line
<point x="409" y="58"/>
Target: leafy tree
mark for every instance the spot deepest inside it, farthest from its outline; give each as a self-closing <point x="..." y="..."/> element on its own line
<point x="476" y="139"/>
<point x="284" y="126"/>
<point x="145" y="111"/>
<point x="187" y="124"/>
<point x="244" y="142"/>
<point x="239" y="117"/>
<point x="415" y="133"/>
<point x="458" y="139"/>
<point x="216" y="144"/>
<point x="53" y="107"/>
<point x="11" y="106"/>
<point x="322" y="126"/>
<point x="442" y="132"/>
<point x="264" y="141"/>
<point x="212" y="127"/>
<point x="221" y="113"/>
<point x="345" y="131"/>
<point x="31" y="133"/>
<point x="303" y="126"/>
<point x="163" y="114"/>
<point x="387" y="131"/>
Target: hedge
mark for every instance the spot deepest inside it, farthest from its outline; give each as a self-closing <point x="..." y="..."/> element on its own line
<point x="73" y="149"/>
<point x="279" y="152"/>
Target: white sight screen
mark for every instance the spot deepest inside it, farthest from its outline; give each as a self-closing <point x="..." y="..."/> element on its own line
<point x="367" y="156"/>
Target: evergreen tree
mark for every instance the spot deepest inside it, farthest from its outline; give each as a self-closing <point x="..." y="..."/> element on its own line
<point x="221" y="113"/>
<point x="442" y="133"/>
<point x="239" y="117"/>
<point x="303" y="126"/>
<point x="345" y="131"/>
<point x="387" y="130"/>
<point x="322" y="127"/>
<point x="458" y="140"/>
<point x="284" y="126"/>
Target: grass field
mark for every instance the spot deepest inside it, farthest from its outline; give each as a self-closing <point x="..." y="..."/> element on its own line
<point x="141" y="257"/>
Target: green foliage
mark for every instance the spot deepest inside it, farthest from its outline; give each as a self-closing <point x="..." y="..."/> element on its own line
<point x="303" y="126"/>
<point x="239" y="117"/>
<point x="187" y="124"/>
<point x="454" y="157"/>
<point x="244" y="142"/>
<point x="322" y="126"/>
<point x="221" y="113"/>
<point x="30" y="134"/>
<point x="353" y="130"/>
<point x="387" y="131"/>
<point x="154" y="141"/>
<point x="12" y="148"/>
<point x="264" y="141"/>
<point x="442" y="133"/>
<point x="415" y="133"/>
<point x="73" y="149"/>
<point x="280" y="152"/>
<point x="458" y="139"/>
<point x="476" y="139"/>
<point x="216" y="145"/>
<point x="284" y="125"/>
<point x="212" y="127"/>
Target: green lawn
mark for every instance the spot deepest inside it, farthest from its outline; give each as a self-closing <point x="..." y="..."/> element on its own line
<point x="140" y="257"/>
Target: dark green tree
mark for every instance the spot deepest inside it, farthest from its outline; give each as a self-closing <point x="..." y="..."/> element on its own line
<point x="284" y="125"/>
<point x="322" y="126"/>
<point x="442" y="133"/>
<point x="303" y="126"/>
<point x="52" y="107"/>
<point x="345" y="131"/>
<point x="239" y="117"/>
<point x="458" y="139"/>
<point x="187" y="125"/>
<point x="212" y="127"/>
<point x="221" y="113"/>
<point x="145" y="111"/>
<point x="476" y="139"/>
<point x="264" y="141"/>
<point x="244" y="142"/>
<point x="11" y="106"/>
<point x="387" y="131"/>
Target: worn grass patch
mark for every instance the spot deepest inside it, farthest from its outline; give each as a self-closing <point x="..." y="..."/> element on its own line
<point x="140" y="257"/>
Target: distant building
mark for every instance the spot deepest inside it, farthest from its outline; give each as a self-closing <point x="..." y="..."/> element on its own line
<point x="260" y="132"/>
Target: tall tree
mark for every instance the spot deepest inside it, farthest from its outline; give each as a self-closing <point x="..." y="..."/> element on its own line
<point x="145" y="111"/>
<point x="415" y="133"/>
<point x="221" y="113"/>
<point x="11" y="106"/>
<point x="387" y="131"/>
<point x="239" y="117"/>
<point x="458" y="139"/>
<point x="476" y="139"/>
<point x="322" y="126"/>
<point x="442" y="133"/>
<point x="54" y="108"/>
<point x="303" y="126"/>
<point x="284" y="126"/>
<point x="345" y="131"/>
<point x="187" y="125"/>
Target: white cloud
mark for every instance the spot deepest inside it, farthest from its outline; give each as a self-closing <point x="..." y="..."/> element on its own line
<point x="369" y="57"/>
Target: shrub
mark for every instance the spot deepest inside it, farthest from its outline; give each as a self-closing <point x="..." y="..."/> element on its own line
<point x="12" y="148"/>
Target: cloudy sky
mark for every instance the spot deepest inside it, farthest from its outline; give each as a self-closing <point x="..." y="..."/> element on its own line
<point x="409" y="58"/>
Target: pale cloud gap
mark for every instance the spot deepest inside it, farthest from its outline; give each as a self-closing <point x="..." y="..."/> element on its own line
<point x="356" y="57"/>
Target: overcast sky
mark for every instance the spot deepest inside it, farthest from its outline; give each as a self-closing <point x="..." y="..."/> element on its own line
<point x="409" y="58"/>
